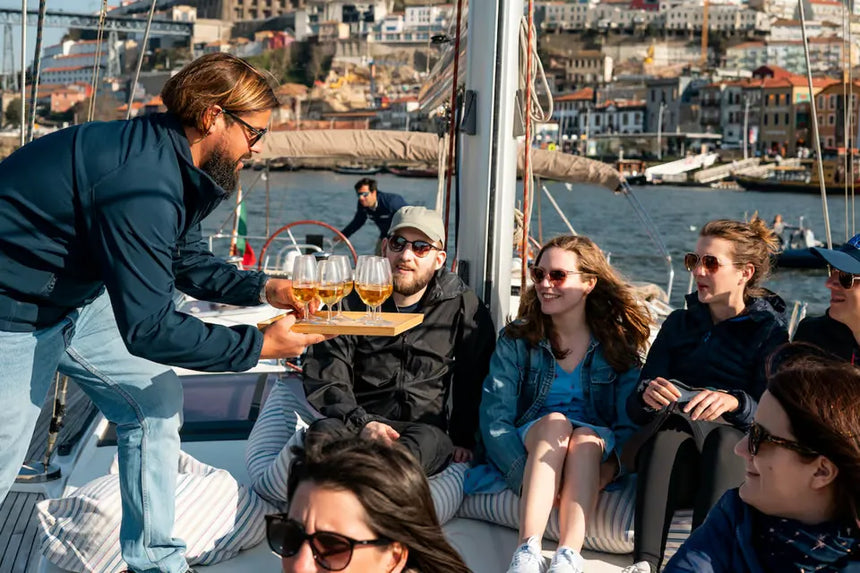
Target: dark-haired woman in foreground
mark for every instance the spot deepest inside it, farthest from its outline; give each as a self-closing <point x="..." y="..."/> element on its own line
<point x="360" y="506"/>
<point x="717" y="346"/>
<point x="797" y="509"/>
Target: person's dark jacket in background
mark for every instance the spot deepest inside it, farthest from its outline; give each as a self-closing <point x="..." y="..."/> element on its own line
<point x="387" y="204"/>
<point x="729" y="355"/>
<point x="830" y="335"/>
<point x="119" y="205"/>
<point x="733" y="540"/>
<point x="432" y="373"/>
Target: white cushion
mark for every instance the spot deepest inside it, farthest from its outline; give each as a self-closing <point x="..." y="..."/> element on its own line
<point x="215" y="515"/>
<point x="281" y="425"/>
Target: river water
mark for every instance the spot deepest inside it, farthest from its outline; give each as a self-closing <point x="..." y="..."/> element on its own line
<point x="679" y="213"/>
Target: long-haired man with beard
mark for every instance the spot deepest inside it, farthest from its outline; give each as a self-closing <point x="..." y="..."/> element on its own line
<point x="421" y="388"/>
<point x="99" y="226"/>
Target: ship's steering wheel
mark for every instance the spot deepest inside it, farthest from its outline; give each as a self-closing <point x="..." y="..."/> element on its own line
<point x="289" y="226"/>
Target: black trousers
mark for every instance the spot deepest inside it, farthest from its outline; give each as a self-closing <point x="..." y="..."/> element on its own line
<point x="676" y="471"/>
<point x="430" y="445"/>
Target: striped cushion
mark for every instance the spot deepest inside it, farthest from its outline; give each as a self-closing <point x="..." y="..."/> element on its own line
<point x="610" y="531"/>
<point x="215" y="516"/>
<point x="281" y="425"/>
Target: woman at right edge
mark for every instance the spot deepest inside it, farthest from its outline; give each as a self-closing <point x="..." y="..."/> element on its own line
<point x="718" y="346"/>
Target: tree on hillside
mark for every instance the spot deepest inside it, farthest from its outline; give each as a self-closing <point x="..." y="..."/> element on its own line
<point x="106" y="109"/>
<point x="13" y="113"/>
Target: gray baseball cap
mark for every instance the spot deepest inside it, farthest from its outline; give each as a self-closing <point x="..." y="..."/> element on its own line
<point x="423" y="219"/>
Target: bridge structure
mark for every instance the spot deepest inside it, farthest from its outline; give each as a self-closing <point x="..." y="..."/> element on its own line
<point x="113" y="25"/>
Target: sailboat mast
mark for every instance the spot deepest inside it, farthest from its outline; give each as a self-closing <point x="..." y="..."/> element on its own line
<point x="490" y="154"/>
<point x="23" y="72"/>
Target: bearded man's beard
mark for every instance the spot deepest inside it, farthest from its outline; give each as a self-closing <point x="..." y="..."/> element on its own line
<point x="409" y="286"/>
<point x="222" y="169"/>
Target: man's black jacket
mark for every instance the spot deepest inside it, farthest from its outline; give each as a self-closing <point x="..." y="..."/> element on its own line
<point x="432" y="373"/>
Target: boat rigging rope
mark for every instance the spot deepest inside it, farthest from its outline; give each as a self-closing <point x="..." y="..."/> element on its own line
<point x="133" y="85"/>
<point x="23" y="70"/>
<point x="37" y="68"/>
<point x="814" y="115"/>
<point x="97" y="63"/>
<point x="452" y="116"/>
<point x="527" y="151"/>
<point x="528" y="81"/>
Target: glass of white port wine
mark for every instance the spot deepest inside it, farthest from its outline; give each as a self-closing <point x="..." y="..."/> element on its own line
<point x="329" y="285"/>
<point x="347" y="277"/>
<point x="305" y="281"/>
<point x="375" y="286"/>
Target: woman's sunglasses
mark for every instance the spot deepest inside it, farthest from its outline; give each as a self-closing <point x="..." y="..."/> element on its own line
<point x="846" y="280"/>
<point x="757" y="434"/>
<point x="331" y="551"/>
<point x="710" y="263"/>
<point x="421" y="248"/>
<point x="556" y="276"/>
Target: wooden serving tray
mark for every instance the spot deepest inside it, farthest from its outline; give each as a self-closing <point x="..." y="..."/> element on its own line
<point x="398" y="322"/>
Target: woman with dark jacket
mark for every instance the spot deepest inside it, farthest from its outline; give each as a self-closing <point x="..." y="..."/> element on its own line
<point x="552" y="415"/>
<point x="838" y="330"/>
<point x="716" y="348"/>
<point x="797" y="509"/>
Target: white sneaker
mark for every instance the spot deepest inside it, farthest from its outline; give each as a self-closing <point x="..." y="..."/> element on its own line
<point x="566" y="560"/>
<point x="641" y="567"/>
<point x="527" y="558"/>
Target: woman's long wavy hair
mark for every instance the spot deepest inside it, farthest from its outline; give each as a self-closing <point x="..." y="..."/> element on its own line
<point x="820" y="395"/>
<point x="392" y="489"/>
<point x="616" y="319"/>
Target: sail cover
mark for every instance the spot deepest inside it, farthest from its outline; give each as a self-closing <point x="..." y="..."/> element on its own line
<point x="416" y="147"/>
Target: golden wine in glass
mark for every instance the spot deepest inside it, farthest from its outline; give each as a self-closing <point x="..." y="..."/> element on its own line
<point x="329" y="285"/>
<point x="305" y="281"/>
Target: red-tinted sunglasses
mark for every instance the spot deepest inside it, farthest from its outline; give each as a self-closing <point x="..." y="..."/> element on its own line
<point x="555" y="276"/>
<point x="421" y="248"/>
<point x="710" y="263"/>
<point x="846" y="280"/>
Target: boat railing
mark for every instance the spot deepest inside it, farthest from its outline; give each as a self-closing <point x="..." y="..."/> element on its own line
<point x="279" y="264"/>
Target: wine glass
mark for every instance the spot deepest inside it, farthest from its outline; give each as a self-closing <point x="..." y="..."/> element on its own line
<point x="329" y="285"/>
<point x="305" y="281"/>
<point x="347" y="278"/>
<point x="377" y="286"/>
<point x="361" y="265"/>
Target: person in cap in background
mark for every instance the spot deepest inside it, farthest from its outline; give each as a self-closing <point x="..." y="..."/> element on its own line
<point x="380" y="207"/>
<point x="399" y="388"/>
<point x="838" y="331"/>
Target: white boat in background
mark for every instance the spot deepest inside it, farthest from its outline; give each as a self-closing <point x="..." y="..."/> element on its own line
<point x="677" y="171"/>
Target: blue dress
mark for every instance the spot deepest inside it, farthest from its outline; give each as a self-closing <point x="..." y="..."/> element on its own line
<point x="566" y="396"/>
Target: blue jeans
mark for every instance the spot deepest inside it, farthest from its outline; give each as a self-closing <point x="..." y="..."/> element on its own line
<point x="144" y="399"/>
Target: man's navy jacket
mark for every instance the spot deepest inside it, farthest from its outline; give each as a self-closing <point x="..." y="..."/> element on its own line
<point x="119" y="205"/>
<point x="387" y="204"/>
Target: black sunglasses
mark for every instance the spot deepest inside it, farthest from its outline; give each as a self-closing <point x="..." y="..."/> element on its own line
<point x="757" y="434"/>
<point x="420" y="248"/>
<point x="556" y="276"/>
<point x="363" y="193"/>
<point x="256" y="132"/>
<point x="846" y="280"/>
<point x="710" y="263"/>
<point x="332" y="551"/>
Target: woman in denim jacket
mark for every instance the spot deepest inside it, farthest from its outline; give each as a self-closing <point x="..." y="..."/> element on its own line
<point x="552" y="414"/>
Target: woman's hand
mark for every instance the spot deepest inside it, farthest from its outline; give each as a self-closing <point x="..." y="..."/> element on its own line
<point x="462" y="455"/>
<point x="708" y="405"/>
<point x="660" y="393"/>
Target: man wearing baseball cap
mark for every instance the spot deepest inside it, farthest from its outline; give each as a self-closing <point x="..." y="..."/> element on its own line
<point x="838" y="331"/>
<point x="423" y="387"/>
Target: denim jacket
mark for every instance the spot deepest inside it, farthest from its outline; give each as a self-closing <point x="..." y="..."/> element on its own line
<point x="516" y="388"/>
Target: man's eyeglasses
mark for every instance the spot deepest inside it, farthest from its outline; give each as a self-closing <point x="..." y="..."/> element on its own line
<point x="256" y="132"/>
<point x="846" y="280"/>
<point x="757" y="434"/>
<point x="556" y="276"/>
<point x="332" y="551"/>
<point x="710" y="263"/>
<point x="421" y="248"/>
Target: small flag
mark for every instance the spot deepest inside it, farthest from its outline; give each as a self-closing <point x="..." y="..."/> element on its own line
<point x="249" y="259"/>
